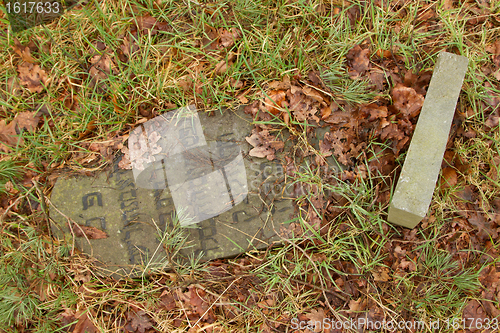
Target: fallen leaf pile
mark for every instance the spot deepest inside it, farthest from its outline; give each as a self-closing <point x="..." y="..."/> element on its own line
<point x="195" y="302"/>
<point x="310" y="100"/>
<point x="368" y="139"/>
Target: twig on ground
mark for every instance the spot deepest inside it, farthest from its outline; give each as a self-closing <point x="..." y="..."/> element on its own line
<point x="13" y="204"/>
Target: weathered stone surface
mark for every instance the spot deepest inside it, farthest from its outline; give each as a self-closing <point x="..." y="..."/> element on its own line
<point x="131" y="215"/>
<point x="418" y="178"/>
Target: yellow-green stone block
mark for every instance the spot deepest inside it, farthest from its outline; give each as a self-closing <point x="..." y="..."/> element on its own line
<point x="418" y="178"/>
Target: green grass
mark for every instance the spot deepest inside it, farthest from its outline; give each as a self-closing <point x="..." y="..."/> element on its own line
<point x="173" y="68"/>
<point x="9" y="171"/>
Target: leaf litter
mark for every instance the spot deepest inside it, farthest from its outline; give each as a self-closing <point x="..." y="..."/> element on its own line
<point x="387" y="120"/>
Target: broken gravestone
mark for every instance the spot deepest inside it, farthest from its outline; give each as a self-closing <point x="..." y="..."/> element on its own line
<point x="191" y="176"/>
<point x="417" y="181"/>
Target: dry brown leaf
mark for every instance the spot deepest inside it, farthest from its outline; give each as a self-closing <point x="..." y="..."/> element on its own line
<point x="13" y="86"/>
<point x="325" y="112"/>
<point x="317" y="318"/>
<point x="125" y="49"/>
<point x="316" y="79"/>
<point x="9" y="132"/>
<point x="276" y="97"/>
<point x="325" y="145"/>
<point x="8" y="135"/>
<point x="358" y="59"/>
<point x="280" y="85"/>
<point x="89" y="130"/>
<point x="377" y="77"/>
<point x="102" y="66"/>
<point x="261" y="152"/>
<point x="449" y="178"/>
<point x="383" y="53"/>
<point x="27" y="120"/>
<point x="125" y="161"/>
<point x="313" y="93"/>
<point x="67" y="317"/>
<point x="382" y="274"/>
<point x="483" y="226"/>
<point x="242" y="99"/>
<point x="496" y="75"/>
<point x="374" y="111"/>
<point x="447" y="4"/>
<point x="337" y="117"/>
<point x="228" y="38"/>
<point x="84" y="325"/>
<point x="492" y="121"/>
<point x="88" y="232"/>
<point x="407" y="264"/>
<point x="32" y="76"/>
<point x="138" y="321"/>
<point x="473" y="312"/>
<point x="148" y="23"/>
<point x="23" y="51"/>
<point x="358" y="305"/>
<point x="221" y="67"/>
<point x="494" y="99"/>
<point x="406" y="100"/>
<point x="167" y="300"/>
<point x="186" y="83"/>
<point x="198" y="303"/>
<point x="265" y="144"/>
<point x="392" y="131"/>
<point x="236" y="84"/>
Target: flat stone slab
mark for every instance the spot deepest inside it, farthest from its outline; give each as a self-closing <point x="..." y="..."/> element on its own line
<point x="226" y="202"/>
<point x="418" y="178"/>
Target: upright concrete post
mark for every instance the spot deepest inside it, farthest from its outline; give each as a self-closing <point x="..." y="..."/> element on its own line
<point x="417" y="181"/>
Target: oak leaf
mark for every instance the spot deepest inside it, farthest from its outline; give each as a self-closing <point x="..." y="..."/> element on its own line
<point x="32" y="76"/>
<point x="492" y="121"/>
<point x="102" y="66"/>
<point x="280" y="85"/>
<point x="138" y="322"/>
<point x="9" y="133"/>
<point x="406" y="100"/>
<point x="374" y="111"/>
<point x="358" y="305"/>
<point x="228" y="38"/>
<point x="381" y="274"/>
<point x="358" y="59"/>
<point x="85" y="325"/>
<point x="23" y="51"/>
<point x="483" y="226"/>
<point x="148" y="23"/>
<point x="473" y="312"/>
<point x="317" y="318"/>
<point x="264" y="144"/>
<point x="377" y="77"/>
<point x="312" y="93"/>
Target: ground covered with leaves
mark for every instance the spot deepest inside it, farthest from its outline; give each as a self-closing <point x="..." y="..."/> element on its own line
<point x="339" y="80"/>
